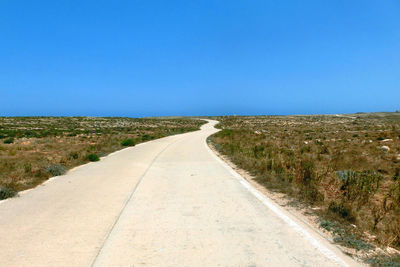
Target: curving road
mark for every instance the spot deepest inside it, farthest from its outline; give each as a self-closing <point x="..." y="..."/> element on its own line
<point x="168" y="202"/>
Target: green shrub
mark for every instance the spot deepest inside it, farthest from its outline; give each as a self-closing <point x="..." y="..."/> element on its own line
<point x="8" y="141"/>
<point x="93" y="157"/>
<point x="128" y="142"/>
<point x="56" y="170"/>
<point x="147" y="137"/>
<point x="6" y="193"/>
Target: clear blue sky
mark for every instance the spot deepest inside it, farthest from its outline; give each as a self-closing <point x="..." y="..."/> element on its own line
<point x="149" y="58"/>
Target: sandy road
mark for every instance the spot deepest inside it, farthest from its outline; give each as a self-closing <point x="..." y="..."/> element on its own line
<point x="169" y="202"/>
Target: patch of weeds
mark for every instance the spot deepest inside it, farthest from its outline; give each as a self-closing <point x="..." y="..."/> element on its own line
<point x="328" y="225"/>
<point x="8" y="141"/>
<point x="147" y="137"/>
<point x="351" y="241"/>
<point x="344" y="238"/>
<point x="6" y="193"/>
<point x="384" y="260"/>
<point x="128" y="142"/>
<point x="93" y="157"/>
<point x="56" y="170"/>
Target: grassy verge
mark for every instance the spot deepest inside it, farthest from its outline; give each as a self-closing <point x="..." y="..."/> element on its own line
<point x="32" y="149"/>
<point x="347" y="166"/>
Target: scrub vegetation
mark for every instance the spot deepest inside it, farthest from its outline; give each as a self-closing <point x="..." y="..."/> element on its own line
<point x="32" y="149"/>
<point x="348" y="166"/>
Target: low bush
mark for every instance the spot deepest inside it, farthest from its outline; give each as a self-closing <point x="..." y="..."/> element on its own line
<point x="56" y="170"/>
<point x="328" y="225"/>
<point x="8" y="141"/>
<point x="352" y="242"/>
<point x="6" y="193"/>
<point x="147" y="137"/>
<point x="93" y="157"/>
<point x="128" y="142"/>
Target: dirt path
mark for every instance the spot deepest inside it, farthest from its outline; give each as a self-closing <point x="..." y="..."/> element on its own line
<point x="169" y="202"/>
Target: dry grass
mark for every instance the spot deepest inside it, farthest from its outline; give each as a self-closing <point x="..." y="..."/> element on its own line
<point x="346" y="164"/>
<point x="41" y="146"/>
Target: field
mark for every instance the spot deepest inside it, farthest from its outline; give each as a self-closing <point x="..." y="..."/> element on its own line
<point x="347" y="166"/>
<point x="32" y="149"/>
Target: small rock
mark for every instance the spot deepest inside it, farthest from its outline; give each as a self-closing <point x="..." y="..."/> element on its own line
<point x="385" y="148"/>
<point x="387" y="140"/>
<point x="257" y="132"/>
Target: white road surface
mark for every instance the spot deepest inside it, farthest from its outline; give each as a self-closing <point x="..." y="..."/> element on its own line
<point x="168" y="202"/>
